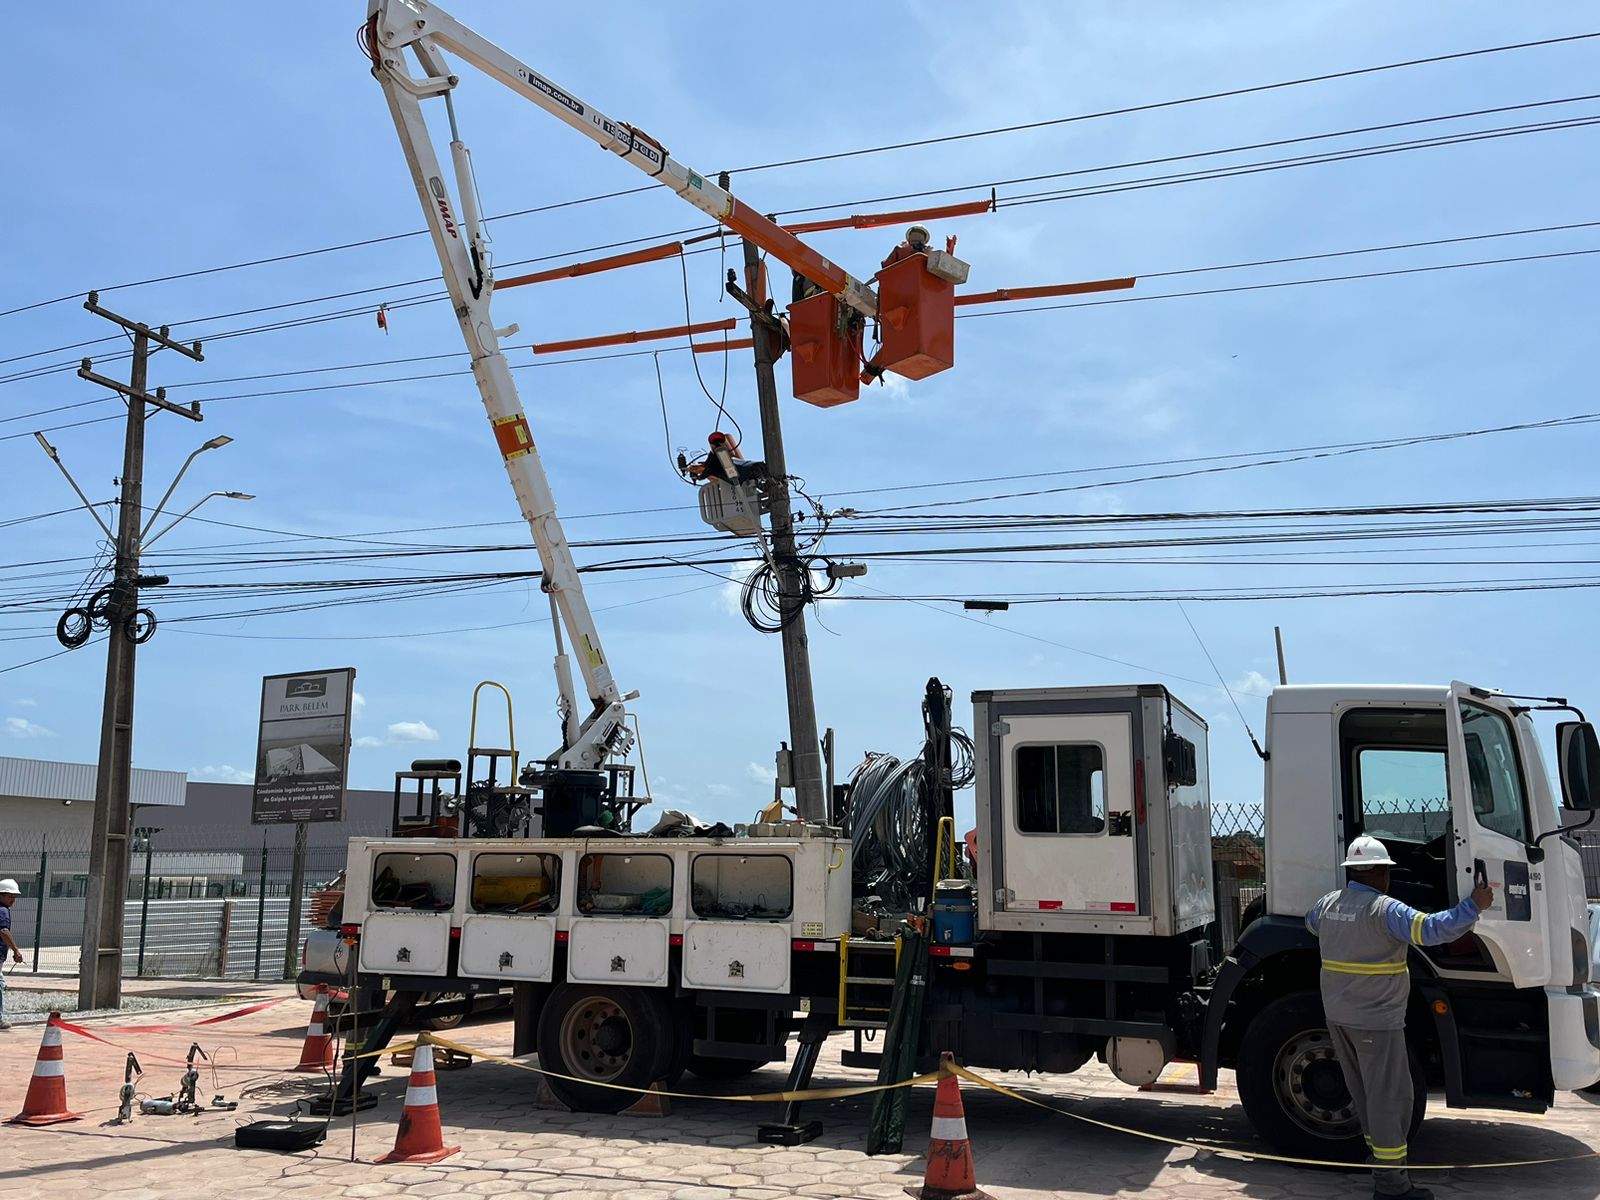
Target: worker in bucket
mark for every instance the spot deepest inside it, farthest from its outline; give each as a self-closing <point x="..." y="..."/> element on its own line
<point x="8" y="944"/>
<point x="1366" y="936"/>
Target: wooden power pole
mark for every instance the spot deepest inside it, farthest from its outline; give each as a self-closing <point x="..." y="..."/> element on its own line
<point x="100" y="969"/>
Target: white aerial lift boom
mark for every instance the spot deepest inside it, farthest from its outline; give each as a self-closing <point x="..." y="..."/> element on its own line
<point x="394" y="26"/>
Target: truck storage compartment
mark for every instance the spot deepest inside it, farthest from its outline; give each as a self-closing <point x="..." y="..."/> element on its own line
<point x="736" y="956"/>
<point x="411" y="895"/>
<point x="618" y="950"/>
<point x="624" y="884"/>
<point x="739" y="887"/>
<point x="510" y="928"/>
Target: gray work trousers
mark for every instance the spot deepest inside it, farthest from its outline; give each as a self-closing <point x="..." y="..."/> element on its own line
<point x="1379" y="1077"/>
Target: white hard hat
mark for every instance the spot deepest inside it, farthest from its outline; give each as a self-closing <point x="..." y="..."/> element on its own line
<point x="1367" y="852"/>
<point x="8" y="887"/>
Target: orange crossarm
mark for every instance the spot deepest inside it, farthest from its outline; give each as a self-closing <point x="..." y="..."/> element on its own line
<point x="637" y="335"/>
<point x="974" y="208"/>
<point x="719" y="347"/>
<point x="1058" y="289"/>
<point x="594" y="266"/>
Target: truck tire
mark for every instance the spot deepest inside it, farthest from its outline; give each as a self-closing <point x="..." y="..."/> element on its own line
<point x="1292" y="1088"/>
<point x="621" y="1036"/>
<point x="708" y="1067"/>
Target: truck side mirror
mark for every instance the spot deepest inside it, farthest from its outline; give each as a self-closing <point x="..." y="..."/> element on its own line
<point x="1578" y="749"/>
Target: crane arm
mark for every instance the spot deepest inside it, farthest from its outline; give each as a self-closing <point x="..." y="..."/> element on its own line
<point x="397" y="24"/>
<point x="588" y="736"/>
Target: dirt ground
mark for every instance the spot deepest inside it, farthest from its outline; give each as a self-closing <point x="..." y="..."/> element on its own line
<point x="704" y="1150"/>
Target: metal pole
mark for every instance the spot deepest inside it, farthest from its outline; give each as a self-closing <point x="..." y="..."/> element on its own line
<point x="297" y="887"/>
<point x="144" y="903"/>
<point x="809" y="800"/>
<point x="100" y="963"/>
<point x="1283" y="671"/>
<point x="38" y="908"/>
<point x="261" y="906"/>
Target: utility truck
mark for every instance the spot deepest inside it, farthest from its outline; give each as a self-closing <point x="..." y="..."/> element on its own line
<point x="634" y="957"/>
<point x="1086" y="928"/>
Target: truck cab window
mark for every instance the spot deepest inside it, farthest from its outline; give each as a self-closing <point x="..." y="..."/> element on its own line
<point x="1061" y="789"/>
<point x="1494" y="773"/>
<point x="1404" y="796"/>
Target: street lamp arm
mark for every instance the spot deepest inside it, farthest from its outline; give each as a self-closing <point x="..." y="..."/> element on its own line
<point x="190" y="509"/>
<point x="60" y="466"/>
<point x="213" y="444"/>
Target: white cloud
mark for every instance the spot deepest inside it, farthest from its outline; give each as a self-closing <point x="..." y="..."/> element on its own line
<point x="729" y="594"/>
<point x="26" y="702"/>
<point x="21" y="727"/>
<point x="222" y="774"/>
<point x="1254" y="682"/>
<point x="413" y="731"/>
<point x="367" y="742"/>
<point x="358" y="705"/>
<point x="761" y="774"/>
<point x="718" y="789"/>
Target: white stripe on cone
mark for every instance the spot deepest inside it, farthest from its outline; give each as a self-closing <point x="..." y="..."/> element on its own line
<point x="950" y="1129"/>
<point x="52" y="1036"/>
<point x="422" y="1057"/>
<point x="45" y="1067"/>
<point x="418" y="1097"/>
<point x="314" y="1029"/>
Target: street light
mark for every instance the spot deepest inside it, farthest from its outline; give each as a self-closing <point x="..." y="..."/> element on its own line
<point x="191" y="508"/>
<point x="215" y="443"/>
<point x="62" y="467"/>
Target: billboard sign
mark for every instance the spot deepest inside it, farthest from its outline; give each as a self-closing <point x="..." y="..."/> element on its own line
<point x="303" y="753"/>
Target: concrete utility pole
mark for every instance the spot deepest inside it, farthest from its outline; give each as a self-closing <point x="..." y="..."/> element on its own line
<point x="100" y="969"/>
<point x="810" y="802"/>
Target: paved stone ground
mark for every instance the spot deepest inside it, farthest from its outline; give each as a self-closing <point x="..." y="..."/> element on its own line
<point x="703" y="1151"/>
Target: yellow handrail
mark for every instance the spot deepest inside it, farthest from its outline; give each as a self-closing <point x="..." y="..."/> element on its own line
<point x="511" y="728"/>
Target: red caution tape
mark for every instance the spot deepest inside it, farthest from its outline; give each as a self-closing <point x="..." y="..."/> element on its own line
<point x="227" y="1016"/>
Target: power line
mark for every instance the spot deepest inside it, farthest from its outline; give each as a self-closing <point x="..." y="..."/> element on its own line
<point x="856" y="153"/>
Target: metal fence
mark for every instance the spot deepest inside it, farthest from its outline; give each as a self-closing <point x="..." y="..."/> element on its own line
<point x="199" y="903"/>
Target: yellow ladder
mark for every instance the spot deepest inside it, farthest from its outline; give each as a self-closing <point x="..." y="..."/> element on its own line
<point x="866" y="989"/>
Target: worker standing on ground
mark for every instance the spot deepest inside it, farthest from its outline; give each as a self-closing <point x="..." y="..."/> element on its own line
<point x="8" y="944"/>
<point x="1366" y="936"/>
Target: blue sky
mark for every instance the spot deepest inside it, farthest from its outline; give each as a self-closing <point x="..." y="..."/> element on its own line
<point x="198" y="135"/>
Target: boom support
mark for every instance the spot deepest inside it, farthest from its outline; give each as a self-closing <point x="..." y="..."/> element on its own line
<point x="454" y="223"/>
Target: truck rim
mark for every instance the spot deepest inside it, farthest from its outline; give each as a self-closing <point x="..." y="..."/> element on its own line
<point x="1311" y="1087"/>
<point x="596" y="1039"/>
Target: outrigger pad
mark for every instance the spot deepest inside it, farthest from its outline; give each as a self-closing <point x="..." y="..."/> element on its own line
<point x="774" y="1133"/>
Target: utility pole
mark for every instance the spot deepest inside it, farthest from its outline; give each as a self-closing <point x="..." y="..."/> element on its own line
<point x="100" y="964"/>
<point x="766" y="332"/>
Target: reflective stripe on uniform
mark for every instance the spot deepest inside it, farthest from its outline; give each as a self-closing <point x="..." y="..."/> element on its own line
<point x="1416" y="927"/>
<point x="1377" y="968"/>
<point x="1389" y="1153"/>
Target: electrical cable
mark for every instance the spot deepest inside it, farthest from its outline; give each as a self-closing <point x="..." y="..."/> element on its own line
<point x="1151" y="106"/>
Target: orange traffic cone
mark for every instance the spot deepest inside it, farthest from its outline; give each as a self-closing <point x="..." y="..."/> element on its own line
<point x="317" y="1052"/>
<point x="950" y="1174"/>
<point x="420" y="1139"/>
<point x="46" y="1101"/>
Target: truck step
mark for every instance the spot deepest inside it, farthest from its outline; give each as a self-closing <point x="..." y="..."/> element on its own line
<point x="858" y="1023"/>
<point x="878" y="980"/>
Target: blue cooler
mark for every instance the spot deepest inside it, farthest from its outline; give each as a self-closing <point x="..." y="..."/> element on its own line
<point x="954" y="921"/>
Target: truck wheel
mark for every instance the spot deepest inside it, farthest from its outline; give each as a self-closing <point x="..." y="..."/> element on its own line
<point x="1292" y="1088"/>
<point x="708" y="1067"/>
<point x="604" y="1035"/>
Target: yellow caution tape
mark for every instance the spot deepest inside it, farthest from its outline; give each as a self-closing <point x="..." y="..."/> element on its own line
<point x="839" y="1093"/>
<point x="1256" y="1155"/>
<point x="947" y="1067"/>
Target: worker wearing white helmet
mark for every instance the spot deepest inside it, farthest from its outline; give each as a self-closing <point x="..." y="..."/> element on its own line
<point x="1365" y="937"/>
<point x="8" y="896"/>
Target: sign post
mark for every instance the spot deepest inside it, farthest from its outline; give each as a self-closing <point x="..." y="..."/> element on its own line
<point x="302" y="765"/>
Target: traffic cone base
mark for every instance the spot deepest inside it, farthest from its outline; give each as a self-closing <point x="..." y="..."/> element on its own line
<point x="950" y="1174"/>
<point x="317" y="1052"/>
<point x="46" y="1101"/>
<point x="420" y="1138"/>
<point x="651" y="1104"/>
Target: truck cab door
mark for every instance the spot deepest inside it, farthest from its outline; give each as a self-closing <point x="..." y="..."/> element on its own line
<point x="1491" y="812"/>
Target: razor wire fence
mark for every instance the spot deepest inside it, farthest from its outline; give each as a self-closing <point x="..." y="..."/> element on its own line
<point x="201" y="903"/>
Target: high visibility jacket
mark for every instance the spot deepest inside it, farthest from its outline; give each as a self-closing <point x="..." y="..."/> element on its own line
<point x="1365" y="937"/>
